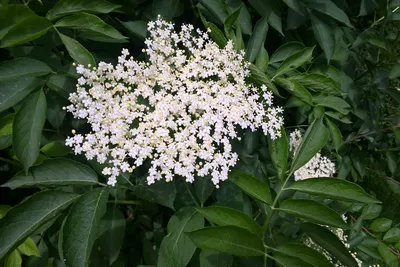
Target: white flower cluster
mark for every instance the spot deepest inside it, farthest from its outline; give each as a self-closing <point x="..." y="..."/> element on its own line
<point x="179" y="110"/>
<point x="318" y="166"/>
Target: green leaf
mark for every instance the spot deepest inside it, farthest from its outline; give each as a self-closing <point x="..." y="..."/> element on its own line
<point x="324" y="36"/>
<point x="296" y="102"/>
<point x="203" y="186"/>
<point x="295" y="5"/>
<point x="312" y="211"/>
<point x="93" y="24"/>
<point x="271" y="10"/>
<point x="61" y="84"/>
<point x="166" y="8"/>
<point x="177" y="249"/>
<point x="13" y="15"/>
<point x="112" y="233"/>
<point x="329" y="8"/>
<point x="318" y="82"/>
<point x="371" y="211"/>
<point x="397" y="246"/>
<point x="138" y="28"/>
<point x="336" y="135"/>
<point x="65" y="7"/>
<point x="245" y="20"/>
<point x="228" y="239"/>
<point x="215" y="259"/>
<point x="229" y="195"/>
<point x="333" y="188"/>
<point x="370" y="251"/>
<point x="13" y="260"/>
<point x="31" y="28"/>
<point x="395" y="71"/>
<point x="287" y="261"/>
<point x="295" y="89"/>
<point x="54" y="172"/>
<point x="5" y="141"/>
<point x="332" y="102"/>
<point x="380" y="225"/>
<point x="13" y="92"/>
<point x="55" y="116"/>
<point x="329" y="241"/>
<point x="389" y="258"/>
<point x="27" y="128"/>
<point x="55" y="149"/>
<point x="22" y="67"/>
<point x="313" y="141"/>
<point x="6" y="124"/>
<point x="366" y="7"/>
<point x="22" y="220"/>
<point x="29" y="248"/>
<point x="257" y="39"/>
<point x="223" y="216"/>
<point x="304" y="253"/>
<point x="230" y="22"/>
<point x="294" y="61"/>
<point x="262" y="59"/>
<point x="3" y="210"/>
<point x="217" y="8"/>
<point x="392" y="236"/>
<point x="215" y="33"/>
<point x="279" y="151"/>
<point x="260" y="78"/>
<point x="81" y="227"/>
<point x="251" y="185"/>
<point x="78" y="53"/>
<point x="338" y="116"/>
<point x="341" y="52"/>
<point x="161" y="192"/>
<point x="285" y="51"/>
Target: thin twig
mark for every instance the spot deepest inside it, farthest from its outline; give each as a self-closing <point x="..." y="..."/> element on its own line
<point x="13" y="162"/>
<point x="365" y="229"/>
<point x="372" y="132"/>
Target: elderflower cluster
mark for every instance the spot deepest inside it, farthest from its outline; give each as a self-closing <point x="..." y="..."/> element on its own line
<point x="178" y="111"/>
<point x="318" y="166"/>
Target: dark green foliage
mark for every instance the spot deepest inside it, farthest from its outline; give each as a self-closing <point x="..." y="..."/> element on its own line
<point x="333" y="65"/>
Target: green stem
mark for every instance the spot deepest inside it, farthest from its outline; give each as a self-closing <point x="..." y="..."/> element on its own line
<point x="269" y="216"/>
<point x="273" y="206"/>
<point x="13" y="162"/>
<point x="266" y="255"/>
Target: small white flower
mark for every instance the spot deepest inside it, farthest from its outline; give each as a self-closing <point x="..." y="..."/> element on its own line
<point x="183" y="105"/>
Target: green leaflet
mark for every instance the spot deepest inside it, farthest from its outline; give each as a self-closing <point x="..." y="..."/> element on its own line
<point x="227" y="216"/>
<point x="176" y="249"/>
<point x="228" y="239"/>
<point x="27" y="128"/>
<point x="54" y="172"/>
<point x="18" y="223"/>
<point x="81" y="227"/>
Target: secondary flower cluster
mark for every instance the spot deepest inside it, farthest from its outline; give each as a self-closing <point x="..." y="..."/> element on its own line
<point x="179" y="110"/>
<point x="318" y="166"/>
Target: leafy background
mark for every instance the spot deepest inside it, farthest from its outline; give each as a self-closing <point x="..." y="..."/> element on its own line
<point x="332" y="64"/>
